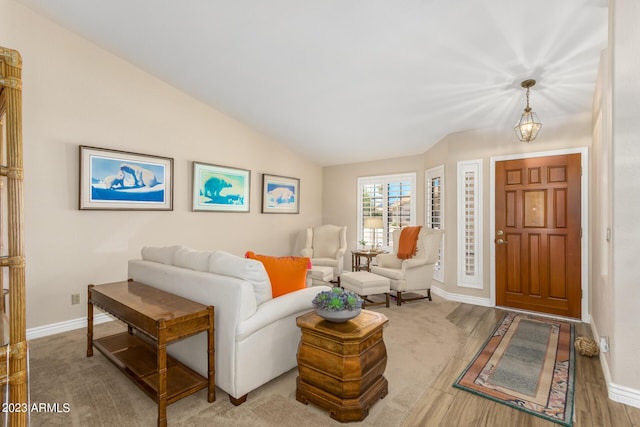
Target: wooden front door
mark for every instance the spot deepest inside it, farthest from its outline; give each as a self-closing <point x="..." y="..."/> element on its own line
<point x="538" y="234"/>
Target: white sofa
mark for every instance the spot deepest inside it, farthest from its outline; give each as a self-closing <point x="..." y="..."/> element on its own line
<point x="256" y="336"/>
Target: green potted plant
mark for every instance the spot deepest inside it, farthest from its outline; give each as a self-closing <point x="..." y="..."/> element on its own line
<point x="363" y="243"/>
<point x="337" y="305"/>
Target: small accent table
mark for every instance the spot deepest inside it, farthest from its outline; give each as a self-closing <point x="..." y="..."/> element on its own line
<point x="158" y="318"/>
<point x="341" y="365"/>
<point x="356" y="264"/>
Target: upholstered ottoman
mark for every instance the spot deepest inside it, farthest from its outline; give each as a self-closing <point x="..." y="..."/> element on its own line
<point x="320" y="275"/>
<point x="365" y="284"/>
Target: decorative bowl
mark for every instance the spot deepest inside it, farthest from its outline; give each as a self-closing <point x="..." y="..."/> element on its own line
<point x="339" y="316"/>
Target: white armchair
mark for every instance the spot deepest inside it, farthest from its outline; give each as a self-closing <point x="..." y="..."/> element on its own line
<point x="414" y="274"/>
<point x="326" y="246"/>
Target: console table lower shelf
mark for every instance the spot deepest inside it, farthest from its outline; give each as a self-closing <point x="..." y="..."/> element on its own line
<point x="137" y="360"/>
<point x="154" y="319"/>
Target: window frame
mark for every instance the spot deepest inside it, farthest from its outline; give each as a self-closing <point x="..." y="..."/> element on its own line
<point x="470" y="277"/>
<point x="429" y="175"/>
<point x="384" y="181"/>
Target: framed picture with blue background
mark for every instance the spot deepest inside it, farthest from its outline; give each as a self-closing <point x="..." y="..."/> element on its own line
<point x="121" y="180"/>
<point x="280" y="194"/>
<point x="220" y="188"/>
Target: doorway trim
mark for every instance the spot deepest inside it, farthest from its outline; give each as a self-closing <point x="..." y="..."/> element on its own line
<point x="584" y="220"/>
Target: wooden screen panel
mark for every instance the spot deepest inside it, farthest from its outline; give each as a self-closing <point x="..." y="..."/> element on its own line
<point x="514" y="275"/>
<point x="11" y="80"/>
<point x="535" y="287"/>
<point x="557" y="266"/>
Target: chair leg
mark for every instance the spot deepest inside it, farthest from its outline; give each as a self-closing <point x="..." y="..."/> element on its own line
<point x="387" y="298"/>
<point x="412" y="297"/>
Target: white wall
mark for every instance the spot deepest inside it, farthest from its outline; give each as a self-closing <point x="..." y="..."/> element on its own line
<point x="615" y="278"/>
<point x="603" y="292"/>
<point x="76" y="93"/>
<point x="625" y="340"/>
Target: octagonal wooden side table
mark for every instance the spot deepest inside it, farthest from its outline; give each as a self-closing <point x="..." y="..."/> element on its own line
<point x="341" y="365"/>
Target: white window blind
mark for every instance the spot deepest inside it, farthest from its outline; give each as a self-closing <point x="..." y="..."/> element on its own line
<point x="385" y="204"/>
<point x="434" y="187"/>
<point x="470" y="224"/>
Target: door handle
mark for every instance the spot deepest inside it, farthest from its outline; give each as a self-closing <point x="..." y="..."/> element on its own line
<point x="501" y="242"/>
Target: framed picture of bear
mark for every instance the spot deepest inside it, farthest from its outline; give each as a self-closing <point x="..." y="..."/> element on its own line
<point x="280" y="194"/>
<point x="121" y="180"/>
<point x="220" y="188"/>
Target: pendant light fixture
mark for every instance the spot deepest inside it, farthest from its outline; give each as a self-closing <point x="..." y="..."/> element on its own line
<point x="529" y="125"/>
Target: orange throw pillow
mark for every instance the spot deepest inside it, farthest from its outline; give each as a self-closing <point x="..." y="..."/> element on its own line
<point x="286" y="274"/>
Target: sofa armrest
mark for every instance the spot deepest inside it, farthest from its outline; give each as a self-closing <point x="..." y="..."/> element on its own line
<point x="412" y="263"/>
<point x="307" y="252"/>
<point x="279" y="308"/>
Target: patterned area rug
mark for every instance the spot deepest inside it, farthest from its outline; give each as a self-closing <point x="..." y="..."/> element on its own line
<point x="527" y="363"/>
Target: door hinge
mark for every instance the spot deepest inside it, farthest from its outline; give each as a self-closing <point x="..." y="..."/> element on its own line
<point x="581" y="232"/>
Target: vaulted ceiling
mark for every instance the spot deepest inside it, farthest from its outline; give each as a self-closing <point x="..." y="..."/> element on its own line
<point x="342" y="81"/>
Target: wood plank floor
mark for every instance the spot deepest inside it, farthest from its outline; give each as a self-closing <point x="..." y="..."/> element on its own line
<point x="445" y="406"/>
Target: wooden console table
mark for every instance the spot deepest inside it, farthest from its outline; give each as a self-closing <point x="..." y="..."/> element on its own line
<point x="341" y="365"/>
<point x="158" y="318"/>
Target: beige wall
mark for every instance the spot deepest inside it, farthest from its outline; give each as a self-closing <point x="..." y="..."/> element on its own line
<point x="76" y="93"/>
<point x="340" y="192"/>
<point x="603" y="293"/>
<point x="615" y="291"/>
<point x="625" y="338"/>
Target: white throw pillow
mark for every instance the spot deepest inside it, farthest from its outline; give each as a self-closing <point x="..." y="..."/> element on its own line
<point x="226" y="264"/>
<point x="163" y="255"/>
<point x="192" y="259"/>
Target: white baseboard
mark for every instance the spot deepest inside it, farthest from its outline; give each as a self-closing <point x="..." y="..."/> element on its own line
<point x="485" y="302"/>
<point x="626" y="395"/>
<point x="603" y="360"/>
<point x="68" y="325"/>
<point x="617" y="393"/>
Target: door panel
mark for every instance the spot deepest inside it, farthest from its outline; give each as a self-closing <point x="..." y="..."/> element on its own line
<point x="538" y="234"/>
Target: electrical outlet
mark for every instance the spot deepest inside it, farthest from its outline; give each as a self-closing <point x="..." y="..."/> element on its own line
<point x="75" y="299"/>
<point x="604" y="344"/>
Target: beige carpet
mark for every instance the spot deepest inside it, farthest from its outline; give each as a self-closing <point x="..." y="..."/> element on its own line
<point x="419" y="343"/>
